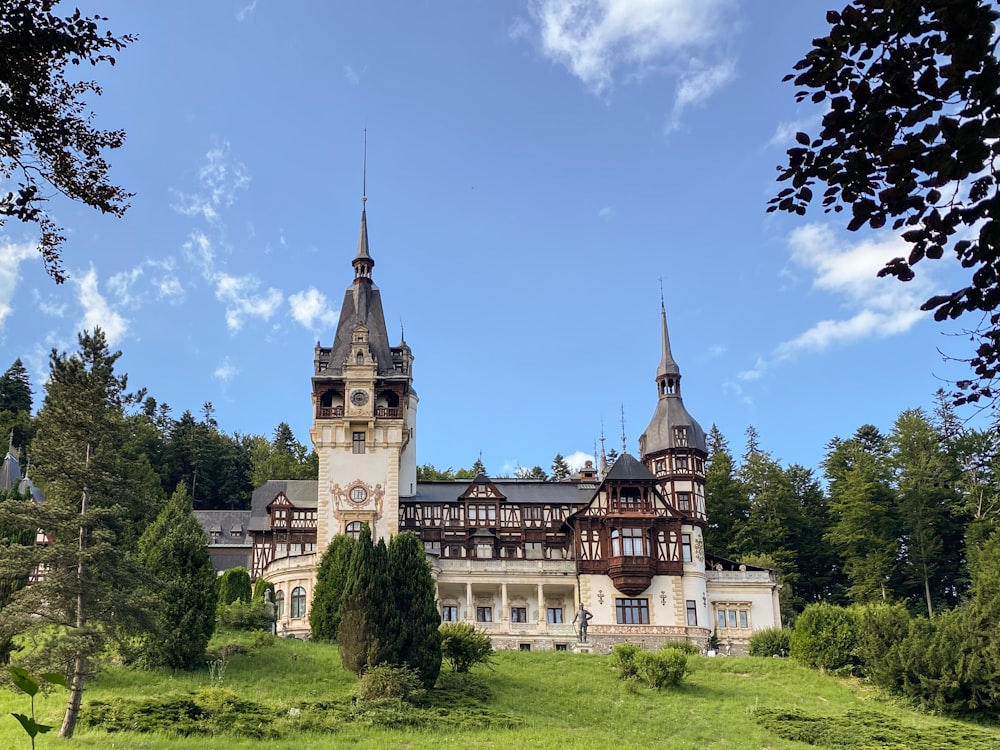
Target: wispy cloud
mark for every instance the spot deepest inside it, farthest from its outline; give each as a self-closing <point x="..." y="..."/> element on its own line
<point x="220" y="177"/>
<point x="244" y="299"/>
<point x="130" y="287"/>
<point x="873" y="307"/>
<point x="97" y="311"/>
<point x="11" y="257"/>
<point x="784" y="134"/>
<point x="226" y="371"/>
<point x="606" y="213"/>
<point x="354" y="76"/>
<point x="246" y="11"/>
<point x="311" y="309"/>
<point x="603" y="41"/>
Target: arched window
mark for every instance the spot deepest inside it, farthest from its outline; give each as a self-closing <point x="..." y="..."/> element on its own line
<point x="298" y="602"/>
<point x="353" y="529"/>
<point x="279" y="603"/>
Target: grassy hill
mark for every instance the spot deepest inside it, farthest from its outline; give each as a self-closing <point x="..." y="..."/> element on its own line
<point x="294" y="695"/>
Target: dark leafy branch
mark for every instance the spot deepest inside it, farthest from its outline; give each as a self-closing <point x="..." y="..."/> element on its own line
<point x="910" y="140"/>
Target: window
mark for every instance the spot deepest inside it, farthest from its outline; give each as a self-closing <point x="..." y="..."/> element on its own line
<point x="432" y="515"/>
<point x="692" y="612"/>
<point x="532" y="550"/>
<point x="632" y="611"/>
<point x="744" y="619"/>
<point x="561" y="647"/>
<point x="353" y="529"/>
<point x="628" y="542"/>
<point x="681" y="437"/>
<point x="449" y="613"/>
<point x="359" y="494"/>
<point x="298" y="602"/>
<point x="531" y="513"/>
<point x="518" y="614"/>
<point x="484" y="551"/>
<point x="722" y="618"/>
<point x="681" y="463"/>
<point x="279" y="603"/>
<point x="524" y="646"/>
<point x="732" y="618"/>
<point x="661" y="466"/>
<point x="555" y="615"/>
<point x="629" y="500"/>
<point x="358" y="442"/>
<point x="483" y="515"/>
<point x="484" y="614"/>
<point x="686" y="547"/>
<point x="684" y="501"/>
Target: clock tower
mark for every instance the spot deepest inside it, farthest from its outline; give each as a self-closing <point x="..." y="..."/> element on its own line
<point x="364" y="415"/>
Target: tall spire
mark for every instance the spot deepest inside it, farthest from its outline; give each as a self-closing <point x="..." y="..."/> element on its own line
<point x="668" y="374"/>
<point x="363" y="262"/>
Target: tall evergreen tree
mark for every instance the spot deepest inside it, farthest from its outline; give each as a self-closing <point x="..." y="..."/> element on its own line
<point x="234" y="585"/>
<point x="821" y="576"/>
<point x="560" y="469"/>
<point x="15" y="405"/>
<point x="865" y="527"/>
<point x="925" y="477"/>
<point x="726" y="501"/>
<point x="363" y="607"/>
<point x="91" y="585"/>
<point x="173" y="551"/>
<point x="331" y="579"/>
<point x="412" y="635"/>
<point x="12" y="537"/>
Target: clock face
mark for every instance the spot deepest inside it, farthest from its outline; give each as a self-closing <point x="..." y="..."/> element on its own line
<point x="358" y="494"/>
<point x="359" y="397"/>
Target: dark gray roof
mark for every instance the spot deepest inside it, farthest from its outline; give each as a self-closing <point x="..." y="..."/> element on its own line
<point x="362" y="304"/>
<point x="626" y="468"/>
<point x="10" y="472"/>
<point x="670" y="413"/>
<point x="224" y="523"/>
<point x="301" y="493"/>
<point x="517" y="492"/>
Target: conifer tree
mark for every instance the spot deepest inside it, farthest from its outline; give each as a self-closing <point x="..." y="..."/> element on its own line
<point x="234" y="585"/>
<point x="173" y="551"/>
<point x="331" y="580"/>
<point x="363" y="609"/>
<point x="726" y="501"/>
<point x="92" y="586"/>
<point x="412" y="635"/>
<point x="560" y="469"/>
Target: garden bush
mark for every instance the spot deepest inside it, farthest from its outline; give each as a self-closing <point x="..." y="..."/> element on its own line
<point x="770" y="642"/>
<point x="387" y="681"/>
<point x="624" y="660"/>
<point x="464" y="646"/>
<point x="663" y="668"/>
<point x="242" y="615"/>
<point x="825" y="637"/>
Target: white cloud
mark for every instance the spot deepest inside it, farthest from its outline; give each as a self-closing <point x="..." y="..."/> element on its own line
<point x="784" y="134"/>
<point x="159" y="274"/>
<point x="601" y="40"/>
<point x="606" y="213"/>
<point x="226" y="371"/>
<point x="199" y="250"/>
<point x="11" y="256"/>
<point x="577" y="459"/>
<point x="97" y="311"/>
<point x="243" y="300"/>
<point x="874" y="307"/>
<point x="354" y="76"/>
<point x="246" y="11"/>
<point x="219" y="178"/>
<point x="311" y="310"/>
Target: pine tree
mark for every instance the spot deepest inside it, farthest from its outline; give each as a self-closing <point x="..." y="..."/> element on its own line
<point x="91" y="587"/>
<point x="363" y="609"/>
<point x="331" y="580"/>
<point x="412" y="635"/>
<point x="726" y="500"/>
<point x="560" y="469"/>
<point x="15" y="389"/>
<point x="173" y="551"/>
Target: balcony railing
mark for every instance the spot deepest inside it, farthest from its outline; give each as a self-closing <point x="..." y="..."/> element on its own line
<point x="329" y="412"/>
<point x="381" y="412"/>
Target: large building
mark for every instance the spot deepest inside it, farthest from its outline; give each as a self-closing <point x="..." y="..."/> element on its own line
<point x="516" y="557"/>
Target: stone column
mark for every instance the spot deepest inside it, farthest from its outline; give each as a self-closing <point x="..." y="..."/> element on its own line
<point x="504" y="609"/>
<point x="470" y="613"/>
<point x="542" y="614"/>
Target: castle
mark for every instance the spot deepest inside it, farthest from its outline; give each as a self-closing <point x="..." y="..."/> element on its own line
<point x="518" y="558"/>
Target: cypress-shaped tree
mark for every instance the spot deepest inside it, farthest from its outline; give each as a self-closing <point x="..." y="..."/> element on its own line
<point x="234" y="584"/>
<point x="331" y="579"/>
<point x="412" y="634"/>
<point x="363" y="610"/>
<point x="173" y="551"/>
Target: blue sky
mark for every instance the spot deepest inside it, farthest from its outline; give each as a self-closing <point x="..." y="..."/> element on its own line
<point x="535" y="169"/>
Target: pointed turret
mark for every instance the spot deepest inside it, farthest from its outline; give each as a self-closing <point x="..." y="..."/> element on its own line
<point x="363" y="262"/>
<point x="664" y="431"/>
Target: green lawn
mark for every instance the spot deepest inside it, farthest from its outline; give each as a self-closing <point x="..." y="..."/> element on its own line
<point x="295" y="695"/>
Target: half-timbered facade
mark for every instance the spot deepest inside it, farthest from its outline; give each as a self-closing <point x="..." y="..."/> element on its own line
<point x="517" y="558"/>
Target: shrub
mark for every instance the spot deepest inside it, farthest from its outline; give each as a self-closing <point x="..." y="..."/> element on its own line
<point x="623" y="660"/>
<point x="464" y="646"/>
<point x="691" y="649"/>
<point x="387" y="681"/>
<point x="770" y="642"/>
<point x="242" y="615"/>
<point x="260" y="586"/>
<point x="234" y="584"/>
<point x="881" y="629"/>
<point x="825" y="637"/>
<point x="663" y="668"/>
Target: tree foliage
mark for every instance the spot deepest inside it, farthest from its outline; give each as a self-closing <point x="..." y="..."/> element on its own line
<point x="464" y="645"/>
<point x="911" y="138"/>
<point x="47" y="135"/>
<point x="412" y="633"/>
<point x="234" y="585"/>
<point x="364" y="606"/>
<point x="331" y="579"/>
<point x="92" y="585"/>
<point x="173" y="551"/>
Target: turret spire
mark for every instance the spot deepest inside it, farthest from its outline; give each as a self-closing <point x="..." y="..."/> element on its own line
<point x="363" y="262"/>
<point x="668" y="374"/>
